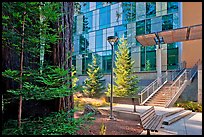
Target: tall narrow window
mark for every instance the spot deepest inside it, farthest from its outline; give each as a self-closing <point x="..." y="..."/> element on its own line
<point x="127" y="12"/>
<point x="172" y="7"/>
<point x="121" y="31"/>
<point x="172" y="56"/>
<point x="83" y="43"/>
<point x="167" y="22"/>
<point x="150" y="9"/>
<point x="87" y="22"/>
<point x="148" y="26"/>
<point x="99" y="40"/>
<point x="140" y="27"/>
<point x="104" y="17"/>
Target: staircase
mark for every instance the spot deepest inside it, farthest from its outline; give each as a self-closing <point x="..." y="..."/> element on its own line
<point x="166" y="92"/>
<point x="161" y="97"/>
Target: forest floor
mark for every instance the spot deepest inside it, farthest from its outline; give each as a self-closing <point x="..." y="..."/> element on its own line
<point x="113" y="127"/>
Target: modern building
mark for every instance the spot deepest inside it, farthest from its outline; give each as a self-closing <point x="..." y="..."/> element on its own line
<point x="95" y="21"/>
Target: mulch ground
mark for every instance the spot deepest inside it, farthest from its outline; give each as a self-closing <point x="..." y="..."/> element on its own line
<point x="118" y="127"/>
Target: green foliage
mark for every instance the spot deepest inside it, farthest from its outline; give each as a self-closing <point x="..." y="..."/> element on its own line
<point x="93" y="84"/>
<point x="52" y="83"/>
<point x="57" y="123"/>
<point x="190" y="105"/>
<point x="125" y="79"/>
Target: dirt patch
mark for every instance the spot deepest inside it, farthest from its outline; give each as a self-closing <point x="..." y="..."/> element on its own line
<point x="118" y="127"/>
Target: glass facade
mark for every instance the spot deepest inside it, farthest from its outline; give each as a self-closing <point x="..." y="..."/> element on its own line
<point x="98" y="20"/>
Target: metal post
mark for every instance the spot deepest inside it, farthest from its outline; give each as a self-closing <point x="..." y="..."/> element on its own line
<point x="159" y="63"/>
<point x="112" y="40"/>
<point x="111" y="97"/>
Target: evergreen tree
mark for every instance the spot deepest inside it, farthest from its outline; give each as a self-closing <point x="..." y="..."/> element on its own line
<point x="125" y="80"/>
<point x="93" y="84"/>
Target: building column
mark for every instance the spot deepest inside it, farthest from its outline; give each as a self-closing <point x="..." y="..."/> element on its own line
<point x="158" y="61"/>
<point x="79" y="64"/>
<point x="200" y="84"/>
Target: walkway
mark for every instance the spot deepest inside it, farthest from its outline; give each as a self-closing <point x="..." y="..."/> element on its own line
<point x="189" y="125"/>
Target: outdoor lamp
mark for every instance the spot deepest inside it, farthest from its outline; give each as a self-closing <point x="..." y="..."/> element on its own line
<point x="112" y="40"/>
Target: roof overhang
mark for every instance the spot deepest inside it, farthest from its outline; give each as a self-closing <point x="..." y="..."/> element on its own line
<point x="171" y="36"/>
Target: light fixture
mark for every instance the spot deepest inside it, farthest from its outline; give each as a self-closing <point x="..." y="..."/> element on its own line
<point x="112" y="40"/>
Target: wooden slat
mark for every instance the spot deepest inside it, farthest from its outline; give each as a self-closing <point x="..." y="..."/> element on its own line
<point x="147" y="115"/>
<point x="147" y="111"/>
<point x="160" y="124"/>
<point x="156" y="123"/>
<point x="149" y="122"/>
<point x="144" y="121"/>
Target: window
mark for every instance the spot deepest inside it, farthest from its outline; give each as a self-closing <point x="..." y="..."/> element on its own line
<point x="107" y="64"/>
<point x="167" y="22"/>
<point x="87" y="22"/>
<point x="140" y="27"/>
<point x="172" y="7"/>
<point x="150" y="9"/>
<point x="83" y="43"/>
<point x="104" y="17"/>
<point x="172" y="56"/>
<point x="128" y="12"/>
<point x="120" y="31"/>
<point x="84" y="7"/>
<point x="99" y="5"/>
<point x="86" y="59"/>
<point x="148" y="26"/>
<point x="148" y="58"/>
<point x="99" y="40"/>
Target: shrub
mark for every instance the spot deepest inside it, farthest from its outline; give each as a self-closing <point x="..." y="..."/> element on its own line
<point x="190" y="105"/>
<point x="58" y="123"/>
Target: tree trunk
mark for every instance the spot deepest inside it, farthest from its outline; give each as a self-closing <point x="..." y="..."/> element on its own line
<point x="69" y="36"/>
<point x="69" y="12"/>
<point x="21" y="72"/>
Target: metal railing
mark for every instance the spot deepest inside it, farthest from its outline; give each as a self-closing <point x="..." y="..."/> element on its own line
<point x="192" y="72"/>
<point x="152" y="88"/>
<point x="178" y="85"/>
<point x="175" y="87"/>
<point x="177" y="72"/>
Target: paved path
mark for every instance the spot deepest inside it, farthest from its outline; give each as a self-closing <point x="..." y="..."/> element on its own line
<point x="189" y="125"/>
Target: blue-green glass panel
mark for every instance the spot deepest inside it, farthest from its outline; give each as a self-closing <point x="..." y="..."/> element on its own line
<point x="104" y="17"/>
<point x="148" y="26"/>
<point x="167" y="22"/>
<point x="120" y="31"/>
<point x="150" y="9"/>
<point x="99" y="40"/>
<point x="172" y="56"/>
<point x="172" y="7"/>
<point x="140" y="27"/>
<point x="87" y="22"/>
<point x="99" y="5"/>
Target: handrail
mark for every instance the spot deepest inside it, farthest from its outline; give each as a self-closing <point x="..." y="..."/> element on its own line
<point x="175" y="73"/>
<point x="176" y="85"/>
<point x="192" y="72"/>
<point x="151" y="88"/>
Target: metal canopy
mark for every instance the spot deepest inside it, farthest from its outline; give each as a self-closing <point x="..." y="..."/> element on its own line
<point x="171" y="36"/>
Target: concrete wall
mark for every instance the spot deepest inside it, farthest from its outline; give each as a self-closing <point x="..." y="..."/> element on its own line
<point x="192" y="15"/>
<point x="190" y="93"/>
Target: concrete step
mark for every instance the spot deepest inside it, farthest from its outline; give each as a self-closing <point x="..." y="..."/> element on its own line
<point x="175" y="117"/>
<point x="174" y="112"/>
